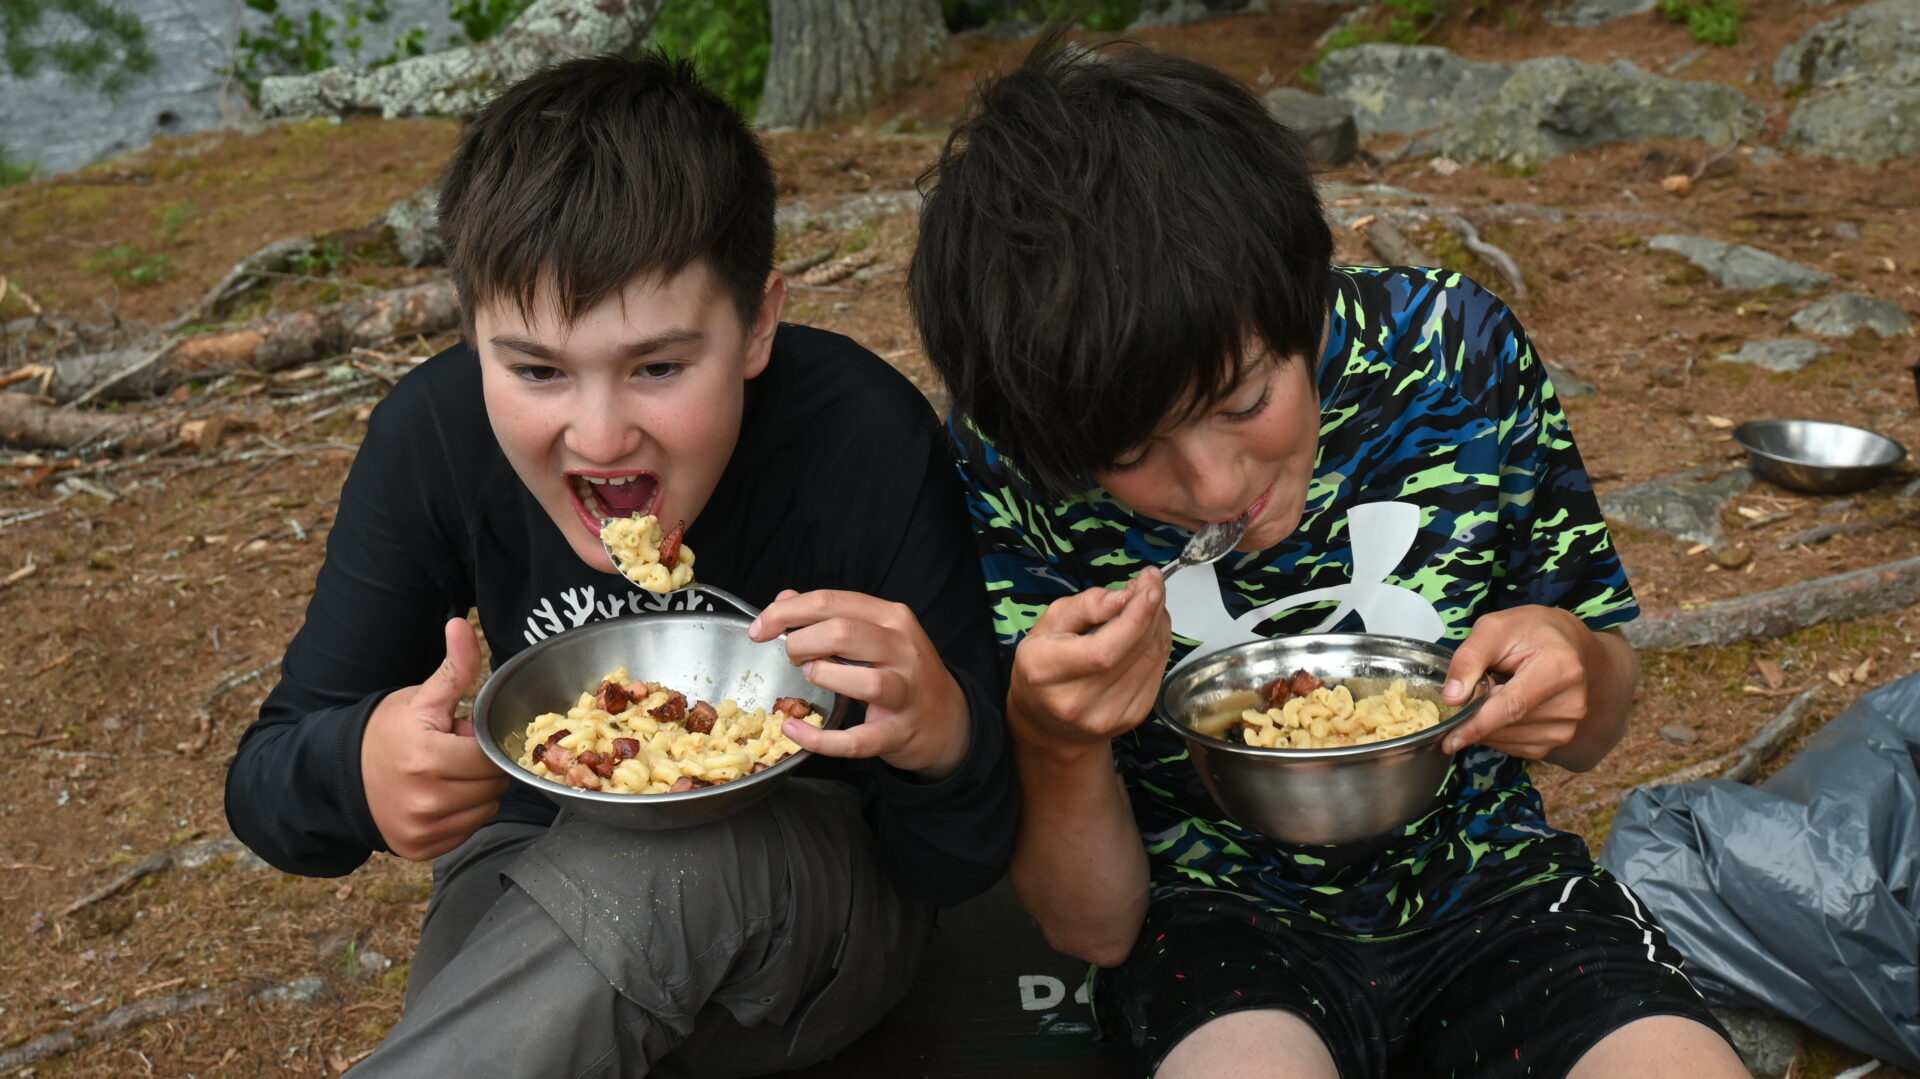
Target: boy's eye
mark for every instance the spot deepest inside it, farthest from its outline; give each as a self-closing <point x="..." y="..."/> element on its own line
<point x="657" y="371"/>
<point x="1253" y="410"/>
<point x="535" y="372"/>
<point x="1129" y="461"/>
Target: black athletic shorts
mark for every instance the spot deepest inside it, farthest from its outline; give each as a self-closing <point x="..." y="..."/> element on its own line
<point x="1524" y="987"/>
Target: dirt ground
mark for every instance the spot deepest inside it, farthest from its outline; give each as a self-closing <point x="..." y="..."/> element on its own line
<point x="147" y="599"/>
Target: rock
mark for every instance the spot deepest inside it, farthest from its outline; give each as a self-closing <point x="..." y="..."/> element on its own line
<point x="298" y="991"/>
<point x="1567" y="385"/>
<point x="1847" y="313"/>
<point x="1874" y="36"/>
<point x="1527" y="112"/>
<point x="1739" y="266"/>
<point x="1556" y="105"/>
<point x="1339" y="189"/>
<point x="1325" y="125"/>
<point x="368" y="965"/>
<point x="1767" y="1045"/>
<point x="1786" y="354"/>
<point x="1168" y="13"/>
<point x="1681" y="506"/>
<point x="1595" y="12"/>
<point x="1732" y="557"/>
<point x="415" y="221"/>
<point x="1401" y="89"/>
<point x="1684" y="736"/>
<point x="845" y="213"/>
<point x="1863" y="117"/>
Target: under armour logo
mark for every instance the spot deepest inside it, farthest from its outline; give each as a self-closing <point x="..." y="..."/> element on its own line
<point x="1383" y="533"/>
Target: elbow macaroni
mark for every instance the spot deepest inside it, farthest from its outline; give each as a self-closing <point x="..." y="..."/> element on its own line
<point x="1330" y="717"/>
<point x="668" y="751"/>
<point x="635" y="545"/>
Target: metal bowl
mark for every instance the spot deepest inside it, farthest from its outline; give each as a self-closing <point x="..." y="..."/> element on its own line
<point x="706" y="655"/>
<point x="1823" y="458"/>
<point x="1318" y="796"/>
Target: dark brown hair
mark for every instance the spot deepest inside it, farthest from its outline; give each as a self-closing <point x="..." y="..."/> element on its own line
<point x="1109" y="239"/>
<point x="598" y="171"/>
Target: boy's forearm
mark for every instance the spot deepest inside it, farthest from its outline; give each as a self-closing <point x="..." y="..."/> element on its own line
<point x="1078" y="865"/>
<point x="1610" y="689"/>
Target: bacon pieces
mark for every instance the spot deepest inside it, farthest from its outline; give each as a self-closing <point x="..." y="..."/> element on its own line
<point x="793" y="706"/>
<point x="670" y="546"/>
<point x="612" y="698"/>
<point x="700" y="719"/>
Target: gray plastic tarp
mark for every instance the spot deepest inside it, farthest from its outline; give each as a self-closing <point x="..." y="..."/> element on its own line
<point x="1800" y="896"/>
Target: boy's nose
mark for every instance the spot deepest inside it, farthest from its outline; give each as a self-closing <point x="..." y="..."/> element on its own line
<point x="603" y="435"/>
<point x="1212" y="485"/>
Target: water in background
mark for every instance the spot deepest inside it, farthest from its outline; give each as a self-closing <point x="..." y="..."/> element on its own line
<point x="47" y="118"/>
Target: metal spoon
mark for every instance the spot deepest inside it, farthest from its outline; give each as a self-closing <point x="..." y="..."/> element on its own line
<point x="1208" y="545"/>
<point x="721" y="594"/>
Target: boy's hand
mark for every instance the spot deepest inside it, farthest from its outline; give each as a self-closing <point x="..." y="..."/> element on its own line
<point x="428" y="784"/>
<point x="1089" y="670"/>
<point x="917" y="716"/>
<point x="1553" y="663"/>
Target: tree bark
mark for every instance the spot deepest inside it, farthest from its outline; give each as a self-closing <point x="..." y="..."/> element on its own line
<point x="459" y="82"/>
<point x="835" y="58"/>
<point x="27" y="423"/>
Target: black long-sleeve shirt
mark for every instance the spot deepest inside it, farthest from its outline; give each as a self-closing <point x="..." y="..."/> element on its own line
<point x="840" y="479"/>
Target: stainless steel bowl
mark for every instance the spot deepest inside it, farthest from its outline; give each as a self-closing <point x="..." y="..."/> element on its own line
<point x="1822" y="458"/>
<point x="1318" y="796"/>
<point x="706" y="655"/>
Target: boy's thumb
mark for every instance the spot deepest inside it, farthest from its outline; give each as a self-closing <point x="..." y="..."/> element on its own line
<point x="441" y="693"/>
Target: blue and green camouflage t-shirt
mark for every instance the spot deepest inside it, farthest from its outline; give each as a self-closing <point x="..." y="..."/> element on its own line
<point x="1446" y="486"/>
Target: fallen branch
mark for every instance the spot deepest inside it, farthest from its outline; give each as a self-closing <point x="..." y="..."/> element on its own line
<point x="1858" y="594"/>
<point x="188" y="854"/>
<point x="140" y="1012"/>
<point x="25" y="421"/>
<point x="245" y="275"/>
<point x="1393" y="246"/>
<point x="458" y="82"/>
<point x="1740" y="766"/>
<point x="1807" y="537"/>
<point x="1502" y="261"/>
<point x="266" y="345"/>
<point x="203" y="712"/>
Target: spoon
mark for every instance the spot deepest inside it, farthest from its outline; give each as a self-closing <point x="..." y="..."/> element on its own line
<point x="1208" y="545"/>
<point x="718" y="593"/>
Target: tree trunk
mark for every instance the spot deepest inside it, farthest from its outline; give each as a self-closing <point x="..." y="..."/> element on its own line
<point x="835" y="58"/>
<point x="459" y="82"/>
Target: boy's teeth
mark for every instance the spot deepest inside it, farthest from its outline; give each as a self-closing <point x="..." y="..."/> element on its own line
<point x="613" y="481"/>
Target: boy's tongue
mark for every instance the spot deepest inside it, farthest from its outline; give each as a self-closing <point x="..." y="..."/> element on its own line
<point x="627" y="498"/>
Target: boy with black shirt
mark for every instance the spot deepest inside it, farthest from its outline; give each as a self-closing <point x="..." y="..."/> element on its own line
<point x="610" y="230"/>
<point x="1123" y="277"/>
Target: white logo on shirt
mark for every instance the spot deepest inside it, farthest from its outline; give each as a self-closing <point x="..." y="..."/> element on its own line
<point x="1383" y="533"/>
<point x="578" y="607"/>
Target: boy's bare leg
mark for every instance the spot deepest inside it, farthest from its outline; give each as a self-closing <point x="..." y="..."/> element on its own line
<point x="1661" y="1047"/>
<point x="1259" y="1043"/>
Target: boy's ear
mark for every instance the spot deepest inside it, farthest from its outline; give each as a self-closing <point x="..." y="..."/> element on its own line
<point x="765" y="322"/>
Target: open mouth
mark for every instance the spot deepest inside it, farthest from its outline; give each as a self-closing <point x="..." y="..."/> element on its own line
<point x="1253" y="511"/>
<point x="601" y="496"/>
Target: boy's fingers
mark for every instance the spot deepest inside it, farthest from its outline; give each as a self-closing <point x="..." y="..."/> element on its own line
<point x="860" y="741"/>
<point x="462" y="758"/>
<point x="1076" y="614"/>
<point x="877" y="686"/>
<point x="1471" y="661"/>
<point x="796" y="609"/>
<point x="1509" y="703"/>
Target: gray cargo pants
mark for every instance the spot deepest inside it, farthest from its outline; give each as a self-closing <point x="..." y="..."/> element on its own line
<point x="765" y="941"/>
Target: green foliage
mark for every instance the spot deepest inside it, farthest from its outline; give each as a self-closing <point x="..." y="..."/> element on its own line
<point x="1408" y="22"/>
<point x="131" y="266"/>
<point x="95" y="43"/>
<point x="15" y="172"/>
<point x="730" y="40"/>
<point x="292" y="45"/>
<point x="174" y="216"/>
<point x="325" y="258"/>
<point x="1710" y="22"/>
<point x="482" y="19"/>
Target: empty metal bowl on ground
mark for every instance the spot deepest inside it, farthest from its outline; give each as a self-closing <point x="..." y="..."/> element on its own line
<point x="1822" y="458"/>
<point x="705" y="655"/>
<point x="1318" y="796"/>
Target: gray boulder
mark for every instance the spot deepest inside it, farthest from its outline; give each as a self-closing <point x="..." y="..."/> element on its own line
<point x="1877" y="35"/>
<point x="1682" y="506"/>
<point x="415" y="222"/>
<point x="1325" y="125"/>
<point x="1739" y="266"/>
<point x="1527" y="112"/>
<point x="1594" y="12"/>
<point x="1556" y="105"/>
<point x="1847" y="313"/>
<point x="1865" y="117"/>
<point x="1567" y="385"/>
<point x="1786" y="354"/>
<point x="1400" y="89"/>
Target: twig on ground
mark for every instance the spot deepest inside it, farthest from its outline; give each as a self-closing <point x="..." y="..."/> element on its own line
<point x="1822" y="533"/>
<point x="204" y="710"/>
<point x="1502" y="261"/>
